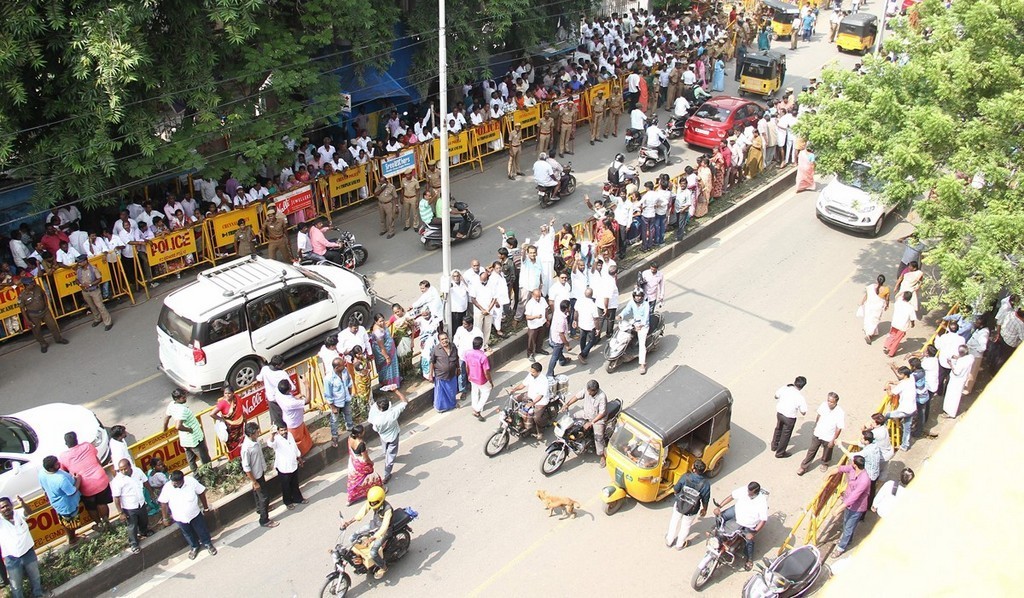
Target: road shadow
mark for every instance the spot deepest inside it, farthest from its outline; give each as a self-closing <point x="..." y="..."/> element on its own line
<point x="427" y="452"/>
<point x="427" y="549"/>
<point x="801" y="437"/>
<point x="743" y="447"/>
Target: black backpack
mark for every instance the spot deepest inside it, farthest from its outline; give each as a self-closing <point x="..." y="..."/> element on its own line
<point x="613" y="175"/>
<point x="688" y="499"/>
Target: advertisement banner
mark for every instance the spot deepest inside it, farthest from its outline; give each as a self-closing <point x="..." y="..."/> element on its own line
<point x="527" y="117"/>
<point x="44" y="524"/>
<point x="294" y="201"/>
<point x="9" y="301"/>
<point x="253" y="399"/>
<point x="457" y="144"/>
<point x="164" y="445"/>
<point x="347" y="181"/>
<point x="399" y="164"/>
<point x="174" y="245"/>
<point x="65" y="280"/>
<point x="224" y="225"/>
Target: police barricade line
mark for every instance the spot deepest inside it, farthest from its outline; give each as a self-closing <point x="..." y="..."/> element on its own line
<point x="487" y="139"/>
<point x="297" y="205"/>
<point x="528" y="119"/>
<point x="171" y="253"/>
<point x="343" y="189"/>
<point x="460" y="151"/>
<point x="221" y="229"/>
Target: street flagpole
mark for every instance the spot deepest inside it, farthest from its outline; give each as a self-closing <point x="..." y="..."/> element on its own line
<point x="446" y="229"/>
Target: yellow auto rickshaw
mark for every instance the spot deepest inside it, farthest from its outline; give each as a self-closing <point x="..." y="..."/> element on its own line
<point x="762" y="73"/>
<point x="857" y="32"/>
<point x="784" y="17"/>
<point x="685" y="417"/>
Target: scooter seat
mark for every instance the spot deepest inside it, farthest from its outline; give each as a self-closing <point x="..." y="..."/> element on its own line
<point x="655" y="321"/>
<point x="399" y="518"/>
<point x="797" y="564"/>
<point x="612" y="409"/>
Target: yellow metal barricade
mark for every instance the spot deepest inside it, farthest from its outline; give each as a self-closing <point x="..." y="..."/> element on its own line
<point x="343" y="189"/>
<point x="460" y="151"/>
<point x="486" y="139"/>
<point x="221" y="229"/>
<point x="173" y="252"/>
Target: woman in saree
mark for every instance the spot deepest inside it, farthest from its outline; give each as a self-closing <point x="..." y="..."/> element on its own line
<point x="704" y="182"/>
<point x="385" y="354"/>
<point x="910" y="281"/>
<point x="402" y="329"/>
<point x="606" y="243"/>
<point x="755" y="156"/>
<point x="805" y="169"/>
<point x="228" y="412"/>
<point x="362" y="376"/>
<point x="360" y="467"/>
<point x="717" y="174"/>
<point x="874" y="302"/>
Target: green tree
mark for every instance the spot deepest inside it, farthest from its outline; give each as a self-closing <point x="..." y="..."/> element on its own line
<point x="941" y="128"/>
<point x="478" y="29"/>
<point x="98" y="96"/>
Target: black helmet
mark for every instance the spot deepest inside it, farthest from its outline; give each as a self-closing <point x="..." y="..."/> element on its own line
<point x="620" y="158"/>
<point x="653" y="120"/>
<point x="638" y="292"/>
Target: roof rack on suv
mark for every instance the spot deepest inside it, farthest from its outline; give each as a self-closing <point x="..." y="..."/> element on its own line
<point x="244" y="276"/>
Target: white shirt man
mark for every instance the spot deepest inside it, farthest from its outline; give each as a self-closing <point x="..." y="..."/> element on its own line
<point x="67" y="256"/>
<point x="830" y="422"/>
<point x="537" y="308"/>
<point x="558" y="291"/>
<point x="791" y="402"/>
<point x="429" y="299"/>
<point x="130" y="489"/>
<point x="286" y="453"/>
<point x="749" y="511"/>
<point x="537" y="386"/>
<point x="349" y="339"/>
<point x="637" y="119"/>
<point x="948" y="344"/>
<point x="903" y="314"/>
<point x="689" y="77"/>
<point x="586" y="313"/>
<point x="681" y="106"/>
<point x="463" y="339"/>
<point x="633" y="83"/>
<point x="19" y="251"/>
<point x="326" y="152"/>
<point x="655" y="136"/>
<point x="183" y="502"/>
<point x="544" y="174"/>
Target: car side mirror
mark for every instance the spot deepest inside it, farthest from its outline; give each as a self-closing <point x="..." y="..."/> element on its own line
<point x="15" y="467"/>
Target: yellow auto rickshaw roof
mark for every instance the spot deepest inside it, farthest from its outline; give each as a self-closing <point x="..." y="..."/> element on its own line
<point x="859" y="18"/>
<point x="679" y="403"/>
<point x="782" y="6"/>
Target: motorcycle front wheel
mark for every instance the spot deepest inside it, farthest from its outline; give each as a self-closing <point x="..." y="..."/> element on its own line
<point x="361" y="255"/>
<point x="704" y="570"/>
<point x="336" y="585"/>
<point x="553" y="460"/>
<point x="496" y="443"/>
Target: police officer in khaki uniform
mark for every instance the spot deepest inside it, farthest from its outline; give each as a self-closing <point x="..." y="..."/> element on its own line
<point x="597" y="110"/>
<point x="515" y="141"/>
<point x="245" y="239"/>
<point x="33" y="302"/>
<point x="89" y="280"/>
<point x="434" y="177"/>
<point x="674" y="77"/>
<point x="386" y="195"/>
<point x="615" y="107"/>
<point x="410" y="197"/>
<point x="566" y="120"/>
<point x="275" y="231"/>
<point x="544" y="129"/>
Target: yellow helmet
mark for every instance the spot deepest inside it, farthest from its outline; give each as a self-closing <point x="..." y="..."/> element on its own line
<point x="375" y="496"/>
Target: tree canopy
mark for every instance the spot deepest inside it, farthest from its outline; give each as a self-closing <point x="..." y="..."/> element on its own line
<point x="98" y="97"/>
<point x="941" y="127"/>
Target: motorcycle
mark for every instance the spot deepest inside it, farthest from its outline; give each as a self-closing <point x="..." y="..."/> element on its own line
<point x="651" y="156"/>
<point x="725" y="545"/>
<point x="355" y="553"/>
<point x="571" y="435"/>
<point x="623" y="346"/>
<point x="430" y="233"/>
<point x="566" y="188"/>
<point x="634" y="137"/>
<point x="514" y="418"/>
<point x="676" y="126"/>
<point x="350" y="255"/>
<point x="791" y="574"/>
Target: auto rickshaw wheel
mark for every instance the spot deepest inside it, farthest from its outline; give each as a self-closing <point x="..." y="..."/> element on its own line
<point x="717" y="469"/>
<point x="611" y="508"/>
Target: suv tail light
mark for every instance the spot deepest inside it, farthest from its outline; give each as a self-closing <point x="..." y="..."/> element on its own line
<point x="198" y="355"/>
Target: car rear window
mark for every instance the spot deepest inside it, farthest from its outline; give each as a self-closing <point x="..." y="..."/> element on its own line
<point x="712" y="113"/>
<point x="175" y="326"/>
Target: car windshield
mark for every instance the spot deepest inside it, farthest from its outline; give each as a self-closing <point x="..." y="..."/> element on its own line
<point x="16" y="436"/>
<point x="637" y="446"/>
<point x="712" y="113"/>
<point x="757" y="71"/>
<point x="175" y="326"/>
<point x="860" y="177"/>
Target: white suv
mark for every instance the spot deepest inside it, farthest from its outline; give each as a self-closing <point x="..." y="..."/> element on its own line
<point x="233" y="318"/>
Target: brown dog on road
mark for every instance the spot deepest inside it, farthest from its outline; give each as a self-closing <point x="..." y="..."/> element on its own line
<point x="552" y="502"/>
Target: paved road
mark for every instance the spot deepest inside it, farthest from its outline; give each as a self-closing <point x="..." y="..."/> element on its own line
<point x="772" y="298"/>
<point x="115" y="373"/>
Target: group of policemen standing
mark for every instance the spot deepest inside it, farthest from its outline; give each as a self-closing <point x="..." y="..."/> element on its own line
<point x="391" y="210"/>
<point x="556" y="131"/>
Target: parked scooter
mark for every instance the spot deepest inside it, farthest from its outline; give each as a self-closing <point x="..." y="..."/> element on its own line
<point x="623" y="346"/>
<point x="566" y="188"/>
<point x="430" y="233"/>
<point x="515" y="419"/>
<point x="724" y="546"/>
<point x="354" y="553"/>
<point x="676" y="126"/>
<point x="571" y="435"/>
<point x="350" y="255"/>
<point x="791" y="574"/>
<point x="634" y="138"/>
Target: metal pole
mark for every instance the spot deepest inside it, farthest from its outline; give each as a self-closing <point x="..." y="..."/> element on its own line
<point x="881" y="31"/>
<point x="446" y="229"/>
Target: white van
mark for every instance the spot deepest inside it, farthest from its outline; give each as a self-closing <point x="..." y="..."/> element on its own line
<point x="224" y="326"/>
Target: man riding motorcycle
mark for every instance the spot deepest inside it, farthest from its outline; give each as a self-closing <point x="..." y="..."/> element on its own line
<point x="547" y="173"/>
<point x="638" y="311"/>
<point x="750" y="512"/>
<point x="620" y="173"/>
<point x="536" y="397"/>
<point x="595" y="408"/>
<point x="637" y="119"/>
<point x="379" y="523"/>
<point x="656" y="138"/>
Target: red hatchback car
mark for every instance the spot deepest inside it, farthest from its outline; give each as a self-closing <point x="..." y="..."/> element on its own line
<point x="710" y="125"/>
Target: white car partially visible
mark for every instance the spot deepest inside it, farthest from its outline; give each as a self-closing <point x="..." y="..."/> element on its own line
<point x="27" y="437"/>
<point x="854" y="202"/>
